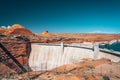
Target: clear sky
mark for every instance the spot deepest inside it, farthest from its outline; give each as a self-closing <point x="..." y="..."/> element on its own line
<point x="62" y="16"/>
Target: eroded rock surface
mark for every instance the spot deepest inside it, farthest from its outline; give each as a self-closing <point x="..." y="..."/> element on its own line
<point x="19" y="48"/>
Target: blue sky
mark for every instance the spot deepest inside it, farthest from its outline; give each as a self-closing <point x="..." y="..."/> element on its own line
<point x="62" y="16"/>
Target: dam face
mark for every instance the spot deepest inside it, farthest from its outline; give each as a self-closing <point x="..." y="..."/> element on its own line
<point x="45" y="57"/>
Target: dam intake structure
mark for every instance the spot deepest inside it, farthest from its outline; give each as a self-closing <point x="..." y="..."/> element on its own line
<point x="46" y="56"/>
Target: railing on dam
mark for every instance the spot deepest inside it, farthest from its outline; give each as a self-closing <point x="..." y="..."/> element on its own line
<point x="67" y="45"/>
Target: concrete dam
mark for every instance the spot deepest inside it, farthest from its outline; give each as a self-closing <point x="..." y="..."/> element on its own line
<point x="46" y="57"/>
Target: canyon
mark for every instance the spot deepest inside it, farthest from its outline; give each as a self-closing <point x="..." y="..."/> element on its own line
<point x="56" y="56"/>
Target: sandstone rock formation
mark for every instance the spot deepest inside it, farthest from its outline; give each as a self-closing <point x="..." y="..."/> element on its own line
<point x="19" y="48"/>
<point x="5" y="70"/>
<point x="70" y="38"/>
<point x="45" y="32"/>
<point x="2" y="30"/>
<point x="17" y="29"/>
<point x="102" y="69"/>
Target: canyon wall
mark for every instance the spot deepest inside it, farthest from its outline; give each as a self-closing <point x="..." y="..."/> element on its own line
<point x="18" y="48"/>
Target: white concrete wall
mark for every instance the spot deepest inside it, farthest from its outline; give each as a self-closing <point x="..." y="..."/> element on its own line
<point x="47" y="57"/>
<point x="43" y="57"/>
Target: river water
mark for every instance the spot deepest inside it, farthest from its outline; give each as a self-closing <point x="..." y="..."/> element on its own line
<point x="114" y="46"/>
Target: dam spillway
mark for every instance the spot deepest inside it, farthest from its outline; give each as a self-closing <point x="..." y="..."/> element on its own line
<point x="46" y="57"/>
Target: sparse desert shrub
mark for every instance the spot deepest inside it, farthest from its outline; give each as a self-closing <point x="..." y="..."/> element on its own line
<point x="117" y="77"/>
<point x="91" y="67"/>
<point x="85" y="77"/>
<point x="106" y="78"/>
<point x="57" y="73"/>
